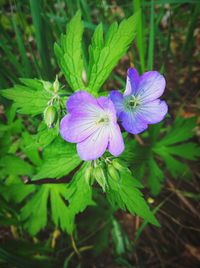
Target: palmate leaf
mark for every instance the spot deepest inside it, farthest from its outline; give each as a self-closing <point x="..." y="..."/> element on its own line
<point x="79" y="193"/>
<point x="105" y="54"/>
<point x="59" y="159"/>
<point x="13" y="165"/>
<point x="17" y="191"/>
<point x="30" y="98"/>
<point x="159" y="154"/>
<point x="60" y="212"/>
<point x="34" y="213"/>
<point x="167" y="148"/>
<point x="181" y="130"/>
<point x="155" y="177"/>
<point x="126" y="194"/>
<point x="30" y="148"/>
<point x="66" y="200"/>
<point x="69" y="53"/>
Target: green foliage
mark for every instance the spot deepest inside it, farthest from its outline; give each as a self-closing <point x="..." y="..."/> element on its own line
<point x="79" y="193"/>
<point x="30" y="98"/>
<point x="120" y="239"/>
<point x="105" y="53"/>
<point x="59" y="159"/>
<point x="61" y="214"/>
<point x="35" y="211"/>
<point x="66" y="200"/>
<point x="69" y="53"/>
<point x="161" y="153"/>
<point x="126" y="194"/>
<point x="16" y="259"/>
<point x="12" y="165"/>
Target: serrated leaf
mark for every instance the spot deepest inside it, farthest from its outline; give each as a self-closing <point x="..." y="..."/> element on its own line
<point x="30" y="148"/>
<point x="28" y="99"/>
<point x="34" y="213"/>
<point x="69" y="53"/>
<point x="126" y="194"/>
<point x="59" y="159"/>
<point x="175" y="167"/>
<point x="181" y="131"/>
<point x="155" y="177"/>
<point x="12" y="165"/>
<point x="118" y="238"/>
<point x="190" y="150"/>
<point x="18" y="191"/>
<point x="79" y="193"/>
<point x="61" y="214"/>
<point x="104" y="55"/>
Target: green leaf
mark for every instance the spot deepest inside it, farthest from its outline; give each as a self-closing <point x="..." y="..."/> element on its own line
<point x="12" y="165"/>
<point x="46" y="135"/>
<point x="18" y="191"/>
<point x="30" y="99"/>
<point x="175" y="167"/>
<point x="69" y="53"/>
<point x="30" y="148"/>
<point x="155" y="177"/>
<point x="126" y="195"/>
<point x="59" y="159"/>
<point x="79" y="193"/>
<point x="105" y="54"/>
<point x="34" y="213"/>
<point x="181" y="131"/>
<point x="188" y="150"/>
<point x="118" y="238"/>
<point x="167" y="147"/>
<point x="61" y="214"/>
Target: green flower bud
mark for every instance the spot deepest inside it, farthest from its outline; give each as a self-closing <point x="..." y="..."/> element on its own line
<point x="88" y="175"/>
<point x="100" y="177"/>
<point x="56" y="85"/>
<point x="118" y="165"/>
<point x="50" y="116"/>
<point x="47" y="85"/>
<point x="114" y="174"/>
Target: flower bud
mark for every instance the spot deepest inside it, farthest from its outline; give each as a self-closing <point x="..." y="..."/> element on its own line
<point x="117" y="165"/>
<point x="56" y="85"/>
<point x="47" y="85"/>
<point x="114" y="174"/>
<point x="50" y="116"/>
<point x="88" y="175"/>
<point x="100" y="177"/>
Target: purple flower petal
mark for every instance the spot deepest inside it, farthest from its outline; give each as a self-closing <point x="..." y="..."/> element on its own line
<point x="95" y="145"/>
<point x="132" y="122"/>
<point x="76" y="127"/>
<point x="132" y="82"/>
<point x="153" y="112"/>
<point x="108" y="107"/>
<point x="151" y="86"/>
<point x="117" y="98"/>
<point x="116" y="143"/>
<point x="91" y="123"/>
<point x="81" y="102"/>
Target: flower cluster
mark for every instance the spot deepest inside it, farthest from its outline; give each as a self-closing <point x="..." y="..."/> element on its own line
<point x="92" y="123"/>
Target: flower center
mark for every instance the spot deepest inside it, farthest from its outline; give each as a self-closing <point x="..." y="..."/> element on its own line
<point x="131" y="102"/>
<point x="103" y="120"/>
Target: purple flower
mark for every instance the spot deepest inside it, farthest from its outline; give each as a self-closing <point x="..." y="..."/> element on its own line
<point x="140" y="106"/>
<point x="92" y="124"/>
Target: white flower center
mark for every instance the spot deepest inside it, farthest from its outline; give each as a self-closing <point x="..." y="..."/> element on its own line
<point x="104" y="119"/>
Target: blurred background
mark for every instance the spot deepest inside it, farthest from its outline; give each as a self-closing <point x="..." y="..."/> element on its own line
<point x="168" y="40"/>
